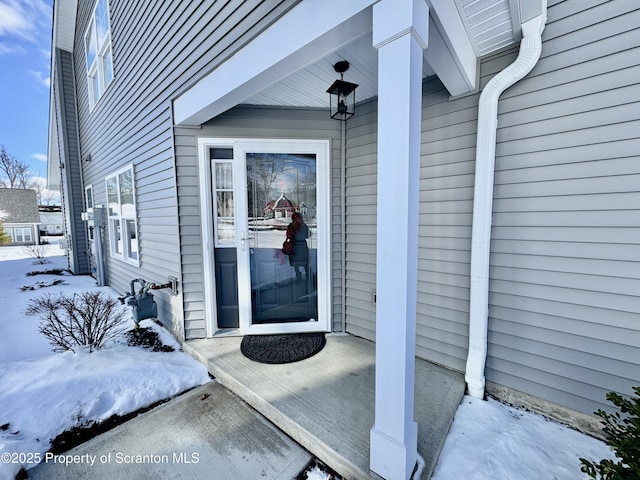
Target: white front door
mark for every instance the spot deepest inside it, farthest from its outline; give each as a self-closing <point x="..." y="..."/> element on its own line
<point x="274" y="225"/>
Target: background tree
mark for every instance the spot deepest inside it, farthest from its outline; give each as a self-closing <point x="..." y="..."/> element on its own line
<point x="4" y="236"/>
<point x="14" y="173"/>
<point x="44" y="195"/>
<point x="263" y="170"/>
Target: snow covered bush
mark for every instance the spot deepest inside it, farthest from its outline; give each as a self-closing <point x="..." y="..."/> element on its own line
<point x="37" y="252"/>
<point x="622" y="434"/>
<point x="85" y="319"/>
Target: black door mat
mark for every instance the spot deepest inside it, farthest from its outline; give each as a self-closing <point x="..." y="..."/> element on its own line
<point x="282" y="348"/>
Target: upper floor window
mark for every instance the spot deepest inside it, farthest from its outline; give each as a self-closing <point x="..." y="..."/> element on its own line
<point x="97" y="42"/>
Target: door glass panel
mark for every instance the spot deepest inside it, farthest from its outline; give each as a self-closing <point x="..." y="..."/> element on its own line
<point x="222" y="173"/>
<point x="282" y="233"/>
<point x="225" y="203"/>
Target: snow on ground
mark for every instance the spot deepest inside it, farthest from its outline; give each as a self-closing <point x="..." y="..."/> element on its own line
<point x="489" y="440"/>
<point x="42" y="393"/>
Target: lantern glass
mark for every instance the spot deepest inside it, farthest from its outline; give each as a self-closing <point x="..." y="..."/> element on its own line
<point x="342" y="99"/>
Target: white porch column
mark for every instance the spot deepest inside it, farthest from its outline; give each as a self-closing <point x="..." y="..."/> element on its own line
<point x="400" y="33"/>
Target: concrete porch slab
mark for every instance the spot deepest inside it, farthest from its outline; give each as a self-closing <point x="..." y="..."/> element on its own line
<point x="326" y="402"/>
<point x="207" y="432"/>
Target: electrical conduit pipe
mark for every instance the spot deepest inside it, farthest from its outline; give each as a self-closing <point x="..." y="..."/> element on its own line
<point x="530" y="49"/>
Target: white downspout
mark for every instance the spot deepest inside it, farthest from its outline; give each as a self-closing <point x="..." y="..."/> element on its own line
<point x="530" y="49"/>
<point x="343" y="224"/>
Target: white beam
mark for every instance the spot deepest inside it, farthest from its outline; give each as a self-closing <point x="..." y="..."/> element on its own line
<point x="400" y="32"/>
<point x="451" y="53"/>
<point x="310" y="31"/>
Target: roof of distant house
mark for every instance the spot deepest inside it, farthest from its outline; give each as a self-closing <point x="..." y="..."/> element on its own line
<point x="19" y="205"/>
<point x="281" y="203"/>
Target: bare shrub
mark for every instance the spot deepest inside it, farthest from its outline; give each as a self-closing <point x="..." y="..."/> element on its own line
<point x="37" y="285"/>
<point x="50" y="271"/>
<point x="37" y="252"/>
<point x="86" y="319"/>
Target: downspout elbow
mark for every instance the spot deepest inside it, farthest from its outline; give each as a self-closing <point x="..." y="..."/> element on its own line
<point x="530" y="49"/>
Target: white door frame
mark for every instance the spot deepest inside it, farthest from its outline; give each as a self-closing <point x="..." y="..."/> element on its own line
<point x="241" y="146"/>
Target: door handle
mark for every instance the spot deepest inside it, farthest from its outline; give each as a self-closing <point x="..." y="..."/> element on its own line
<point x="243" y="240"/>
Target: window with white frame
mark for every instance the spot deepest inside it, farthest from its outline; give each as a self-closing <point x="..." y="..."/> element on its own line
<point x="224" y="215"/>
<point x="123" y="231"/>
<point x="88" y="202"/>
<point x="20" y="234"/>
<point x="88" y="197"/>
<point x="97" y="43"/>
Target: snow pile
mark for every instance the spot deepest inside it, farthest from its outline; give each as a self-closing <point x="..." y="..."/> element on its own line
<point x="42" y="394"/>
<point x="490" y="440"/>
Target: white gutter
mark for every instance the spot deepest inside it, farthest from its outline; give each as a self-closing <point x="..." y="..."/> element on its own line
<point x="530" y="49"/>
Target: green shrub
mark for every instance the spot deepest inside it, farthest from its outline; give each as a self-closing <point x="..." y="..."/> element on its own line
<point x="5" y="239"/>
<point x="622" y="434"/>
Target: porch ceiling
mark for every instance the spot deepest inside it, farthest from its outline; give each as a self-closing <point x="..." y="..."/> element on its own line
<point x="488" y="26"/>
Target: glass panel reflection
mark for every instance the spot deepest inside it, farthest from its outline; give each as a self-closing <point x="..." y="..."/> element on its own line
<point x="225" y="231"/>
<point x="224" y="178"/>
<point x="281" y="194"/>
<point x="225" y="204"/>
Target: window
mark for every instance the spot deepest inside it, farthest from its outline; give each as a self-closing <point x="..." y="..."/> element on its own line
<point x="97" y="43"/>
<point x="20" y="234"/>
<point x="89" y="197"/>
<point x="222" y="170"/>
<point x="123" y="232"/>
<point x="88" y="201"/>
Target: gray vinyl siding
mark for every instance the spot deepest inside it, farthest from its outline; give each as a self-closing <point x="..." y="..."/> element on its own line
<point x="65" y="102"/>
<point x="246" y="122"/>
<point x="564" y="278"/>
<point x="159" y="49"/>
<point x="446" y="207"/>
<point x="565" y="258"/>
<point x="361" y="199"/>
<point x="444" y="245"/>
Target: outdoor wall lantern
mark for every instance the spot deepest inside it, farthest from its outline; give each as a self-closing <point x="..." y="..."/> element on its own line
<point x="342" y="95"/>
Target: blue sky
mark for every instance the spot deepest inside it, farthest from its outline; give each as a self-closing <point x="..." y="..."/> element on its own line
<point x="25" y="61"/>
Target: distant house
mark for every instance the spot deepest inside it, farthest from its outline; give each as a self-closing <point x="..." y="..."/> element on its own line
<point x="20" y="215"/>
<point x="480" y="210"/>
<point x="51" y="222"/>
<point x="281" y="207"/>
